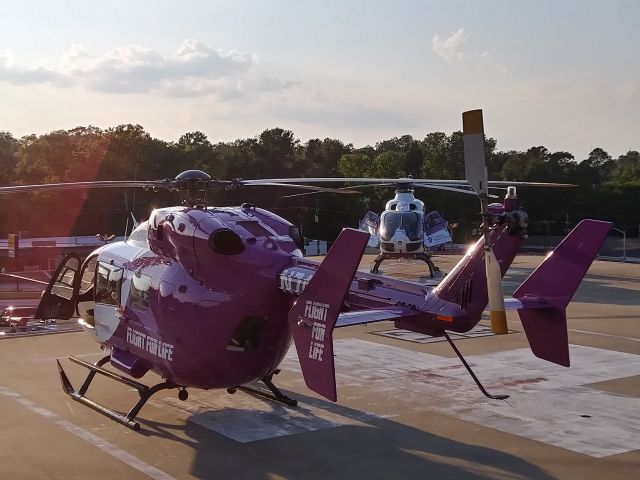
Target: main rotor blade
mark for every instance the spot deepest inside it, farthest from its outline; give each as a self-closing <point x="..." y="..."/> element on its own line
<point x="282" y="182"/>
<point x="342" y="189"/>
<point x="460" y="189"/>
<point x="82" y="185"/>
<point x="316" y="189"/>
<point x="400" y="181"/>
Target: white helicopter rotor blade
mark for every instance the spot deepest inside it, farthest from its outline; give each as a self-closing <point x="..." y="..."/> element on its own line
<point x="459" y="189"/>
<point x="476" y="173"/>
<point x="399" y="181"/>
<point x="313" y="188"/>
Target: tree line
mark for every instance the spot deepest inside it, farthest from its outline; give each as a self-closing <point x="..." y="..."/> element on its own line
<point x="607" y="188"/>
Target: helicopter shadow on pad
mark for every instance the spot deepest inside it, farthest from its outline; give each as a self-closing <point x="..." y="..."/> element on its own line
<point x="248" y="418"/>
<point x="327" y="440"/>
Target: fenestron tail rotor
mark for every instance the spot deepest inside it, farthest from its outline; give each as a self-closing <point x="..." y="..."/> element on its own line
<point x="476" y="175"/>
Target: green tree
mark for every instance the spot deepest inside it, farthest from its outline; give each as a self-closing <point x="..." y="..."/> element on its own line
<point x="354" y="165"/>
<point x="195" y="151"/>
<point x="389" y="164"/>
<point x="8" y="148"/>
<point x="627" y="170"/>
<point x="275" y="153"/>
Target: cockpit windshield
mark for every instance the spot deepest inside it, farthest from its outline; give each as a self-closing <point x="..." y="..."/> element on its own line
<point x="410" y="222"/>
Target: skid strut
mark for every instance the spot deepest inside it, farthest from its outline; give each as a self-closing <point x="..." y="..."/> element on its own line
<point x="473" y="375"/>
<point x="274" y="393"/>
<point x="424" y="256"/>
<point x="127" y="419"/>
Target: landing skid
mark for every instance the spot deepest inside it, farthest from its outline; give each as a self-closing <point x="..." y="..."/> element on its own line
<point x="473" y="375"/>
<point x="144" y="391"/>
<point x="425" y="257"/>
<point x="273" y="392"/>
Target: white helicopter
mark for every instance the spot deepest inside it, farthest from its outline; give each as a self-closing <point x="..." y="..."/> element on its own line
<point x="404" y="230"/>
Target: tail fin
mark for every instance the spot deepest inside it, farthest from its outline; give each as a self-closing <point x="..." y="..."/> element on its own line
<point x="554" y="282"/>
<point x="314" y="314"/>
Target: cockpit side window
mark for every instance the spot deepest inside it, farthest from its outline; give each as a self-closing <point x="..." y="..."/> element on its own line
<point x="108" y="283"/>
<point x="139" y="294"/>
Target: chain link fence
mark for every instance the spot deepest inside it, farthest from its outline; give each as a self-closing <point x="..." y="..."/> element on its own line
<point x="623" y="242"/>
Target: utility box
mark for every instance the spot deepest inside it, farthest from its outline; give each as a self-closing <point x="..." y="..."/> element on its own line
<point x="13" y="242"/>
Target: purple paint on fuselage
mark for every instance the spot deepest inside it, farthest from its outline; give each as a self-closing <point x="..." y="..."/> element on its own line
<point x="198" y="297"/>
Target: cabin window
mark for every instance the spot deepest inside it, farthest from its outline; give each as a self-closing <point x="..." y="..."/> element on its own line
<point x="63" y="286"/>
<point x="139" y="295"/>
<point x="108" y="284"/>
<point x="88" y="275"/>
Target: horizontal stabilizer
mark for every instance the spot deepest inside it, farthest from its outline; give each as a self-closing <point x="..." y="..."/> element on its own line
<point x="361" y="317"/>
<point x="313" y="316"/>
<point x="547" y="291"/>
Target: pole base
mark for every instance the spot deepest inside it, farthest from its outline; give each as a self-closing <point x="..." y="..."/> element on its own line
<point x="499" y="323"/>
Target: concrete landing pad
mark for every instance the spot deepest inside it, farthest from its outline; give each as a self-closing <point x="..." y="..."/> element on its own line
<point x="548" y="403"/>
<point x="245" y="418"/>
<point x="409" y="336"/>
<point x="405" y="410"/>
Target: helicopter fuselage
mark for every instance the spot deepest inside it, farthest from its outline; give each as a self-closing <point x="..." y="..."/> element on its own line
<point x="192" y="294"/>
<point x="402" y="224"/>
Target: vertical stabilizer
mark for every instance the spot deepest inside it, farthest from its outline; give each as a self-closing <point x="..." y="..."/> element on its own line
<point x="554" y="282"/>
<point x="314" y="315"/>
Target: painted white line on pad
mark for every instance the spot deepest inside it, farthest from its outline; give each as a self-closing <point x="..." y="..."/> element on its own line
<point x="110" y="449"/>
<point x="605" y="335"/>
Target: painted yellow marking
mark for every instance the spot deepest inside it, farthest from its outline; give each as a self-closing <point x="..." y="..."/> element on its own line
<point x="499" y="322"/>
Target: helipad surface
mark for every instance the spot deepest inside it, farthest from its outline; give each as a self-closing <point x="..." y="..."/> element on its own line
<point x="406" y="409"/>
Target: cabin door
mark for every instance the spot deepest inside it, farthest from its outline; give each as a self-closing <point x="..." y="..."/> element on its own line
<point x="58" y="300"/>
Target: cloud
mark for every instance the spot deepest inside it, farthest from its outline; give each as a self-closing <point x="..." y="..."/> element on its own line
<point x="451" y="47"/>
<point x="15" y="75"/>
<point x="195" y="69"/>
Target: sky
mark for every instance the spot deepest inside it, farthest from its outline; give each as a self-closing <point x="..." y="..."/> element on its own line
<point x="564" y="74"/>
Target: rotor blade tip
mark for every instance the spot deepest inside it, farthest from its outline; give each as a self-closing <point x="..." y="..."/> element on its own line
<point x="472" y="122"/>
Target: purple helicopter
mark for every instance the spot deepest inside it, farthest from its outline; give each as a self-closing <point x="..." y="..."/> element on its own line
<point x="210" y="297"/>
